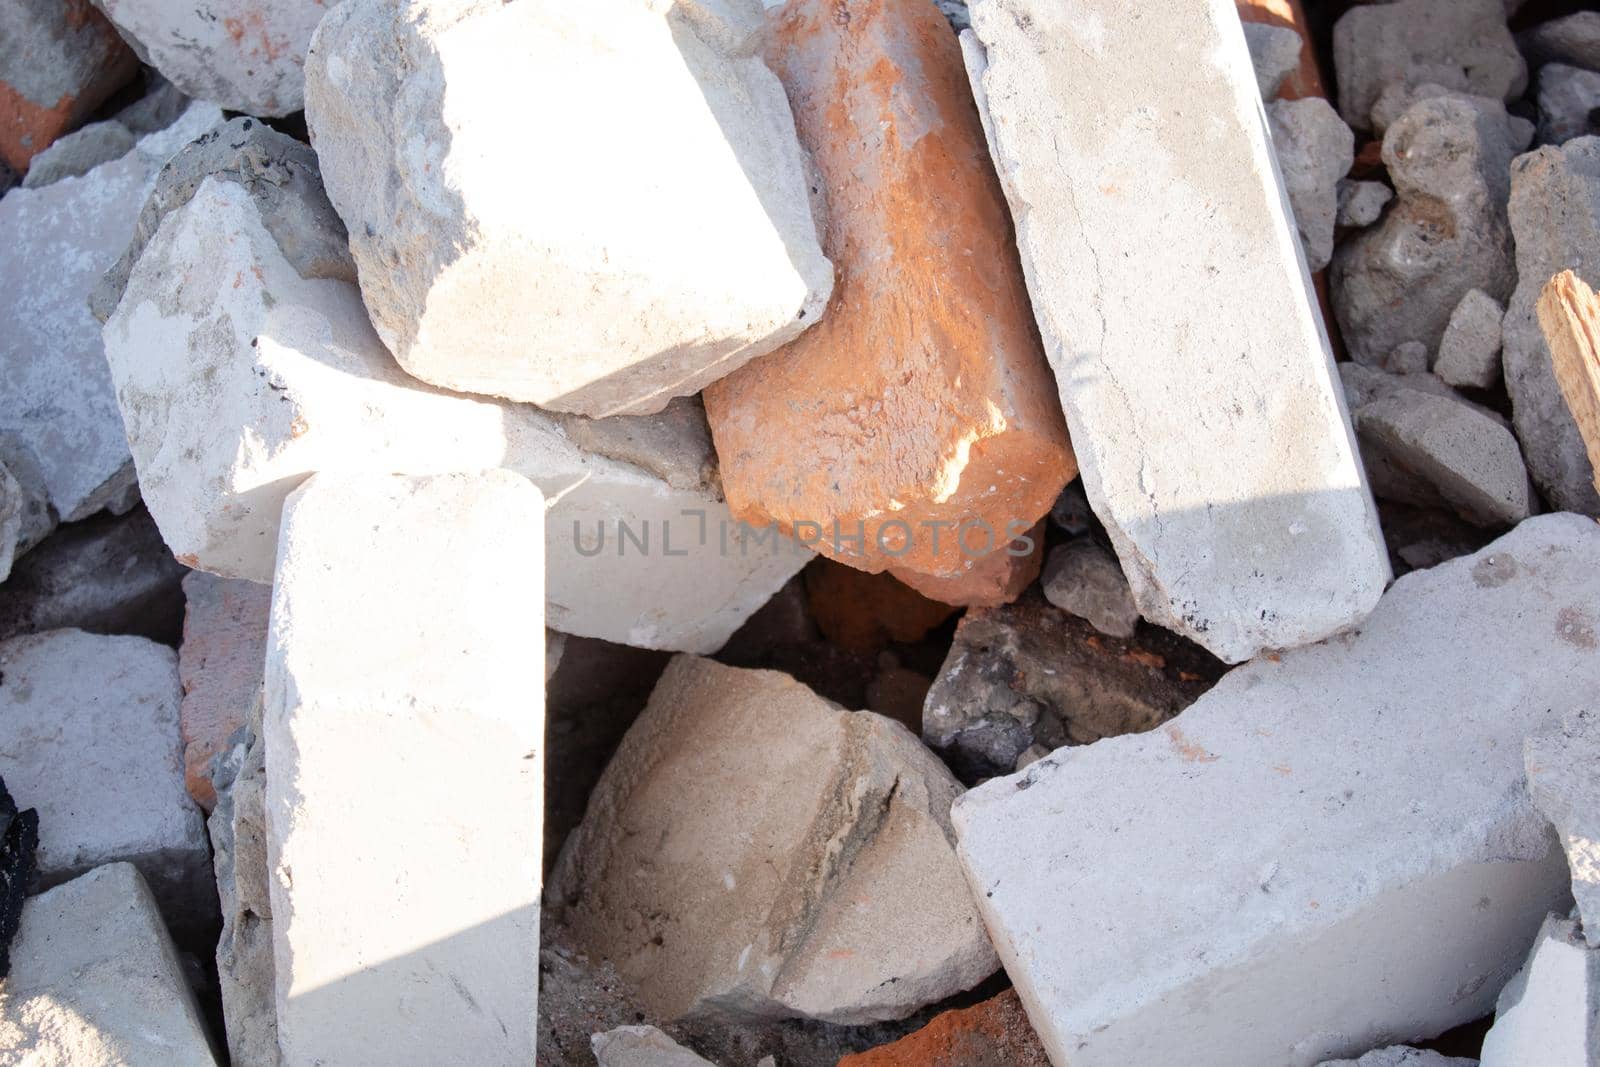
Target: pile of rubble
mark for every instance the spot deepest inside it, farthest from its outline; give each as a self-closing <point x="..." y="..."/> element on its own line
<point x="865" y="532"/>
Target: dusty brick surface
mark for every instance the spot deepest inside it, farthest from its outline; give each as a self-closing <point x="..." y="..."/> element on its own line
<point x="923" y="394"/>
<point x="220" y="665"/>
<point x="995" y="1033"/>
<point x="59" y="60"/>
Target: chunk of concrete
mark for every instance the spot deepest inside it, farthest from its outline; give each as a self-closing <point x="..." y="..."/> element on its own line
<point x="882" y="93"/>
<point x="1083" y="578"/>
<point x="89" y="737"/>
<point x="684" y="273"/>
<point x="57" y="405"/>
<point x="1402" y="1056"/>
<point x="1569" y="101"/>
<point x="58" y="63"/>
<point x="828" y="891"/>
<point x="1469" y="351"/>
<point x="79" y="152"/>
<point x="1230" y="488"/>
<point x="1284" y="847"/>
<point x="1549" y="1014"/>
<point x="405" y="664"/>
<point x="1399" y="98"/>
<point x="244" y="362"/>
<point x="1561" y="764"/>
<point x="1314" y="150"/>
<point x="220" y="663"/>
<point x="1459" y="44"/>
<point x="1447" y="234"/>
<point x="1361" y="203"/>
<point x="95" y="980"/>
<point x="1573" y="39"/>
<point x="1274" y="53"/>
<point x="642" y="1046"/>
<point x="242" y="55"/>
<point x="1555" y="215"/>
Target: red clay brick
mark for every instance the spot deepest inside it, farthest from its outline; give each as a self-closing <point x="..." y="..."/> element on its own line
<point x="995" y="1033"/>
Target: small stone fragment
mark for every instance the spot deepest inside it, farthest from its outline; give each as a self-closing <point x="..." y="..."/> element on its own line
<point x="1549" y="1014"/>
<point x="1459" y="44"/>
<point x="19" y="842"/>
<point x="1555" y="215"/>
<point x="1399" y="281"/>
<point x="1275" y="54"/>
<point x="995" y="1033"/>
<point x="642" y="1046"/>
<point x="1315" y="150"/>
<point x="79" y="152"/>
<point x="89" y="737"/>
<point x="59" y="61"/>
<point x="1561" y="764"/>
<point x="1232" y="887"/>
<point x="1469" y="352"/>
<point x="1305" y="78"/>
<point x="220" y="662"/>
<point x="1084" y="579"/>
<point x="683" y="273"/>
<point x="95" y="980"/>
<point x="1569" y="316"/>
<point x="1408" y="357"/>
<point x="1402" y="1056"/>
<point x="407" y="635"/>
<point x="1569" y="103"/>
<point x="1361" y="203"/>
<point x="1574" y="40"/>
<point x="828" y="892"/>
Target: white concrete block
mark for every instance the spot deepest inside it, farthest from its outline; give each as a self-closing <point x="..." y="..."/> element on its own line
<point x="1176" y="309"/>
<point x="95" y="981"/>
<point x="1329" y="851"/>
<point x="89" y="736"/>
<point x="673" y="243"/>
<point x="404" y="727"/>
<point x="1549" y="1014"/>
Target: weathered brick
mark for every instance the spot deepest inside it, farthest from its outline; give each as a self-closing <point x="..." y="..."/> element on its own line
<point x="220" y="664"/>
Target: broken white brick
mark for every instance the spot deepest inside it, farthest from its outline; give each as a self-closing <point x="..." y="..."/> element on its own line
<point x="404" y="728"/>
<point x="642" y="1046"/>
<point x="1232" y="887"/>
<point x="1549" y="1014"/>
<point x="1229" y="484"/>
<point x="1562" y="764"/>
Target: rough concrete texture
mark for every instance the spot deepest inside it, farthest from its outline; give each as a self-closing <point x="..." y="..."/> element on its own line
<point x="1549" y="1014"/>
<point x="244" y="55"/>
<point x="1402" y="1056"/>
<point x="642" y="1046"/>
<point x="1555" y="215"/>
<point x="829" y="891"/>
<point x="80" y="152"/>
<point x="1574" y="40"/>
<point x="1082" y="578"/>
<point x="220" y="663"/>
<point x="1230" y="487"/>
<point x="1306" y="77"/>
<point x="1569" y="102"/>
<point x="95" y="980"/>
<point x="1447" y="234"/>
<point x="1408" y="357"/>
<point x="684" y="273"/>
<point x="1314" y="150"/>
<point x="1428" y="447"/>
<point x="1469" y="351"/>
<point x="406" y="609"/>
<point x="1281" y="849"/>
<point x="1361" y="203"/>
<point x="57" y="405"/>
<point x="994" y="1033"/>
<point x="259" y="367"/>
<point x="238" y="828"/>
<point x="89" y="736"/>
<point x="59" y="61"/>
<point x="903" y="408"/>
<point x="1029" y="674"/>
<point x="106" y="575"/>
<point x="1398" y="98"/>
<point x="1561" y="763"/>
<point x="1459" y="44"/>
<point x="1274" y="53"/>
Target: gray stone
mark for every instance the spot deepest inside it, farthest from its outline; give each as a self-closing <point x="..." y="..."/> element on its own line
<point x="89" y="736"/>
<point x="1569" y="103"/>
<point x="1469" y="352"/>
<point x="1459" y="44"/>
<point x="1561" y="763"/>
<point x="1398" y="98"/>
<point x="1402" y="1056"/>
<point x="95" y="980"/>
<point x="1232" y="887"/>
<point x="1400" y="280"/>
<point x="1574" y="40"/>
<point x="1361" y="203"/>
<point x="674" y="444"/>
<point x="1274" y="52"/>
<point x="1314" y="151"/>
<point x="828" y="891"/>
<point x="79" y="153"/>
<point x="1028" y="674"/>
<point x="1555" y="214"/>
<point x="1084" y="579"/>
<point x="1549" y="1014"/>
<point x="1408" y="357"/>
<point x="642" y="1046"/>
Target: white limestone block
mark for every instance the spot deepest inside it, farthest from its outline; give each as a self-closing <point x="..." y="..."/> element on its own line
<point x="1347" y="818"/>
<point x="593" y="207"/>
<point x="1176" y="310"/>
<point x="404" y="728"/>
<point x="1549" y="1014"/>
<point x="95" y="980"/>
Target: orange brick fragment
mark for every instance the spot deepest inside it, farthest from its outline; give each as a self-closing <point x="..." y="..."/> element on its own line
<point x="220" y="663"/>
<point x="995" y="1033"/>
<point x="59" y="61"/>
